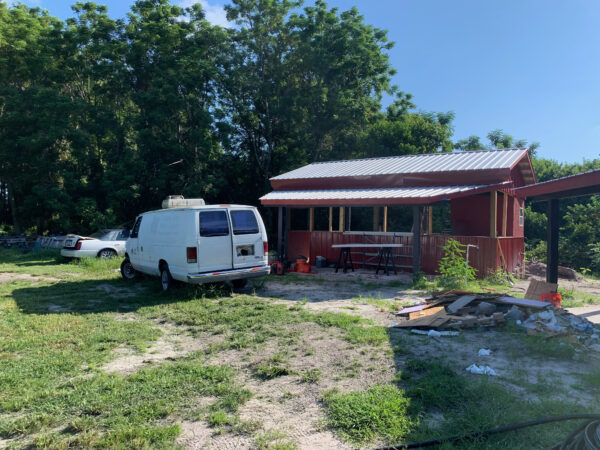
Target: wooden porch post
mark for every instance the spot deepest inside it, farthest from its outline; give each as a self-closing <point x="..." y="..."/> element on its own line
<point x="311" y="219"/>
<point x="552" y="250"/>
<point x="330" y="218"/>
<point x="342" y="212"/>
<point x="376" y="218"/>
<point x="286" y="237"/>
<point x="416" y="238"/>
<point x="430" y="219"/>
<point x="504" y="212"/>
<point x="385" y="219"/>
<point x="493" y="214"/>
<point x="280" y="231"/>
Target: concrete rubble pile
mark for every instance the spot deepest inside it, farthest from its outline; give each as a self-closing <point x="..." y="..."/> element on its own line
<point x="457" y="310"/>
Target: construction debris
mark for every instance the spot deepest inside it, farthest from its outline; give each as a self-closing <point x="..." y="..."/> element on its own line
<point x="481" y="370"/>
<point x="434" y="333"/>
<point x="457" y="310"/>
<point x="484" y="352"/>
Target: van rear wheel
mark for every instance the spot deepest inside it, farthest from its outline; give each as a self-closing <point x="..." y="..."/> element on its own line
<point x="166" y="280"/>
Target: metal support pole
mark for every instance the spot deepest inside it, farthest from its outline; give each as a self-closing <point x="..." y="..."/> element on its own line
<point x="552" y="249"/>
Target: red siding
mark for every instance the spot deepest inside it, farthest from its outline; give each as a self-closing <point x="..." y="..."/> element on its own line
<point x="471" y="215"/>
<point x="486" y="258"/>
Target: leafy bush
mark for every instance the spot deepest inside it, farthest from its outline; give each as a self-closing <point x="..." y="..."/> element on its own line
<point x="453" y="267"/>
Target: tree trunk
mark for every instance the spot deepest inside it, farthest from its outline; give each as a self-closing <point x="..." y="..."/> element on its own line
<point x="13" y="207"/>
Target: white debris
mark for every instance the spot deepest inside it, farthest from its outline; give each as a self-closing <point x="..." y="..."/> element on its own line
<point x="435" y="333"/>
<point x="481" y="370"/>
<point x="484" y="352"/>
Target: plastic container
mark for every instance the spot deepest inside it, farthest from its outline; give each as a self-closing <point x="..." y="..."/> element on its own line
<point x="552" y="297"/>
<point x="321" y="261"/>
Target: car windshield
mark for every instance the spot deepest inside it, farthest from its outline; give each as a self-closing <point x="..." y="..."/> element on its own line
<point x="105" y="235"/>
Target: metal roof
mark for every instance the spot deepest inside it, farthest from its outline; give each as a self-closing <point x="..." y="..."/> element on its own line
<point x="401" y="195"/>
<point x="410" y="164"/>
<point x="570" y="186"/>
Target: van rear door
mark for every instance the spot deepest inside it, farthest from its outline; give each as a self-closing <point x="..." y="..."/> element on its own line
<point x="214" y="241"/>
<point x="248" y="246"/>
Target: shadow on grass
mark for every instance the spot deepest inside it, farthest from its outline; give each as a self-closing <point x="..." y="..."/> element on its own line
<point x="101" y="296"/>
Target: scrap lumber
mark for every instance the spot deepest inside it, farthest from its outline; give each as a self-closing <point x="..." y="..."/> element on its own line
<point x="412" y="309"/>
<point x="460" y="303"/>
<point x="434" y="321"/>
<point x="425" y="312"/>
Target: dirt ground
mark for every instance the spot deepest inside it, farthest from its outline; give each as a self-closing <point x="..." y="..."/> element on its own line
<point x="286" y="405"/>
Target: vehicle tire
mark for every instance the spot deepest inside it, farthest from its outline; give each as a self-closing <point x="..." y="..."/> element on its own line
<point x="127" y="271"/>
<point x="107" y="253"/>
<point x="239" y="284"/>
<point x="166" y="280"/>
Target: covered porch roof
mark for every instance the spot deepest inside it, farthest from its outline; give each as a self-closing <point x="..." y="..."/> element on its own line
<point x="423" y="195"/>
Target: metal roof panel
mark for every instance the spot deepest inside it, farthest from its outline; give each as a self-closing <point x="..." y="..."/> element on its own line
<point x="409" y="164"/>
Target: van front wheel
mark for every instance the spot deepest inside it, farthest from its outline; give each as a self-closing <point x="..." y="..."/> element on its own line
<point x="166" y="280"/>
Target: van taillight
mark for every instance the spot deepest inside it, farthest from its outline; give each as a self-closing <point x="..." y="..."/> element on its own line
<point x="266" y="247"/>
<point x="78" y="245"/>
<point x="192" y="255"/>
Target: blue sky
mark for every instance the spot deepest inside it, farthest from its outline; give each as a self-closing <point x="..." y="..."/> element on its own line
<point x="529" y="67"/>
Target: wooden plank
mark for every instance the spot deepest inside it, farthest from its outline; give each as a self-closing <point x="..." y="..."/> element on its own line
<point x="434" y="321"/>
<point x="461" y="302"/>
<point x="425" y="312"/>
<point x="538" y="287"/>
<point x="493" y="214"/>
<point x="412" y="309"/>
<point x="342" y="213"/>
<point x="330" y="219"/>
<point x="311" y="219"/>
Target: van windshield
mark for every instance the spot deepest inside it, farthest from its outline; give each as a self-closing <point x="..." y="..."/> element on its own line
<point x="244" y="222"/>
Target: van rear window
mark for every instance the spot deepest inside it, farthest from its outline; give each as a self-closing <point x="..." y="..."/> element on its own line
<point x="213" y="223"/>
<point x="244" y="222"/>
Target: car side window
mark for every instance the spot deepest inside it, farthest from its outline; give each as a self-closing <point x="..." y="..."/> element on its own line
<point x="244" y="222"/>
<point x="136" y="228"/>
<point x="213" y="223"/>
<point x="123" y="235"/>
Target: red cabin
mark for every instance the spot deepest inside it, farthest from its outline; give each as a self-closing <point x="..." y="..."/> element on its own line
<point x="464" y="195"/>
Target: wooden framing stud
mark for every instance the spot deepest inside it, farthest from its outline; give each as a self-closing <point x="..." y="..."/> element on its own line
<point x="385" y="214"/>
<point x="430" y="219"/>
<point x="504" y="212"/>
<point x="311" y="219"/>
<point x="493" y="214"/>
<point x="342" y="213"/>
<point x="330" y="218"/>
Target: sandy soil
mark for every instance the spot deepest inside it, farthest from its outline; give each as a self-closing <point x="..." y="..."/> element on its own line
<point x="7" y="277"/>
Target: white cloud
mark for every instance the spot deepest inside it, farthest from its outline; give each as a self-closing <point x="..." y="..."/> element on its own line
<point x="215" y="14"/>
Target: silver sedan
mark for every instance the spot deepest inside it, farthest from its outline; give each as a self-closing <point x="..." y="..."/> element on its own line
<point x="108" y="243"/>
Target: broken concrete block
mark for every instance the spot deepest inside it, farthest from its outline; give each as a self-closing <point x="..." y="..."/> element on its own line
<point x="485" y="309"/>
<point x="515" y="313"/>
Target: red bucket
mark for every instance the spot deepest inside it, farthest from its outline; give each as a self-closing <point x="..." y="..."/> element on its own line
<point x="552" y="297"/>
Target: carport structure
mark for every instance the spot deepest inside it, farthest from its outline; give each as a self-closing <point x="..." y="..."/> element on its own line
<point x="551" y="192"/>
<point x="478" y="186"/>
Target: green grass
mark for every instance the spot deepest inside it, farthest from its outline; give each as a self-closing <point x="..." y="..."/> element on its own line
<point x="379" y="413"/>
<point x="56" y="335"/>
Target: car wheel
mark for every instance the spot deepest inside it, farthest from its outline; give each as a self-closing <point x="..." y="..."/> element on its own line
<point x="166" y="280"/>
<point x="127" y="270"/>
<point x="239" y="284"/>
<point x="107" y="253"/>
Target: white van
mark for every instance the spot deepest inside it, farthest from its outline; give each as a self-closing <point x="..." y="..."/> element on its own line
<point x="198" y="244"/>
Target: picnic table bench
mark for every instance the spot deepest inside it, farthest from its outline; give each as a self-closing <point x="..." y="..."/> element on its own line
<point x="384" y="254"/>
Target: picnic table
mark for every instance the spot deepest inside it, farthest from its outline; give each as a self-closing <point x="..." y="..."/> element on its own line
<point x="384" y="254"/>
